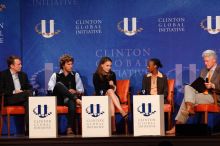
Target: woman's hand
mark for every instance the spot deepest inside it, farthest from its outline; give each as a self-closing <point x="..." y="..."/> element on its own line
<point x="111" y="83"/>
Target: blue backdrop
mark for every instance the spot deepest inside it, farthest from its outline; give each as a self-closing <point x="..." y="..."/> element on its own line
<point x="172" y="30"/>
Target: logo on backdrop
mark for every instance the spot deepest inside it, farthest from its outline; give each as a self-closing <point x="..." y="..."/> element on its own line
<point x="146" y="109"/>
<point x="125" y="29"/>
<point x="43" y="29"/>
<point x="206" y="24"/>
<point x="88" y="26"/>
<point x="171" y="24"/>
<point x="41" y="111"/>
<point x="1" y="32"/>
<point x="2" y="7"/>
<point x="94" y="110"/>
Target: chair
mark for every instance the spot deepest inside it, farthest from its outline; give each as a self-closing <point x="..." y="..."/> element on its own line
<point x="8" y="111"/>
<point x="208" y="108"/>
<point x="62" y="109"/>
<point x="169" y="107"/>
<point x="124" y="94"/>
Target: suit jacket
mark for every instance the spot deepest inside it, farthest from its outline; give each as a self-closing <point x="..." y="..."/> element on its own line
<point x="7" y="84"/>
<point x="215" y="79"/>
<point x="162" y="84"/>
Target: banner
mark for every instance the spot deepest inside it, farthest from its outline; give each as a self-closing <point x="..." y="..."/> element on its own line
<point x="129" y="32"/>
<point x="10" y="32"/>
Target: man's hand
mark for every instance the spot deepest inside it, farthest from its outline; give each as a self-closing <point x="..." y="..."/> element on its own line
<point x="78" y="101"/>
<point x="210" y="85"/>
<point x="18" y="91"/>
<point x="72" y="91"/>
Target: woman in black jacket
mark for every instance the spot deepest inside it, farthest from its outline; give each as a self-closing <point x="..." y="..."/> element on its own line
<point x="104" y="81"/>
<point x="154" y="83"/>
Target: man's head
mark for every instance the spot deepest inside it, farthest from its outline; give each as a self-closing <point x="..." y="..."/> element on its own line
<point x="14" y="63"/>
<point x="66" y="62"/>
<point x="210" y="58"/>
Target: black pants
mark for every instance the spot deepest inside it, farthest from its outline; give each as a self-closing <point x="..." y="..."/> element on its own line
<point x="20" y="99"/>
<point x="64" y="97"/>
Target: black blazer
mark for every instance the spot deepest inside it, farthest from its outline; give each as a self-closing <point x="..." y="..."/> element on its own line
<point x="103" y="84"/>
<point x="162" y="84"/>
<point x="7" y="84"/>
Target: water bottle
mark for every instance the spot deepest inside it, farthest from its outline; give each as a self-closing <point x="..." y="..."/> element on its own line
<point x="143" y="91"/>
<point x="101" y="92"/>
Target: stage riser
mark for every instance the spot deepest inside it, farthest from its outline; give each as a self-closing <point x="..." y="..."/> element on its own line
<point x="114" y="141"/>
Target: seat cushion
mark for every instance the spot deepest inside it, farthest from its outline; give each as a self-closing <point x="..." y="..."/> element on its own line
<point x="62" y="109"/>
<point x="13" y="110"/>
<point x="207" y="107"/>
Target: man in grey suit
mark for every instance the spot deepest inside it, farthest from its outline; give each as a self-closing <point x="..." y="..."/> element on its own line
<point x="211" y="73"/>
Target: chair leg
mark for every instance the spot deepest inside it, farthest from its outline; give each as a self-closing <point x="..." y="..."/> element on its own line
<point x="169" y="120"/>
<point x="1" y="124"/>
<point x="80" y="128"/>
<point x="126" y="127"/>
<point x="206" y="118"/>
<point x="8" y="121"/>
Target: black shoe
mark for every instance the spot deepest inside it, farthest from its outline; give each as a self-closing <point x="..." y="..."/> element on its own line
<point x="114" y="133"/>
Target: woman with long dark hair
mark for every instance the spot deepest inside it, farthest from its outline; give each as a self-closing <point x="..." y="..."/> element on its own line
<point x="104" y="80"/>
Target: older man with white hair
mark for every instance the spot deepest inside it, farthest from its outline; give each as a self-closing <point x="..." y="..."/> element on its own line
<point x="211" y="73"/>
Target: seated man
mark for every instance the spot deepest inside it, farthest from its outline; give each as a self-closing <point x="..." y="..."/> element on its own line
<point x="211" y="73"/>
<point x="67" y="86"/>
<point x="15" y="86"/>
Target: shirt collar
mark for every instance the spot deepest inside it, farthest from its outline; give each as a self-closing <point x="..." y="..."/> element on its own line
<point x="61" y="71"/>
<point x="213" y="68"/>
<point x="160" y="75"/>
<point x="12" y="73"/>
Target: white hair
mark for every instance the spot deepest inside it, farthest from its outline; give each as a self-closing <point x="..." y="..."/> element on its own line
<point x="209" y="53"/>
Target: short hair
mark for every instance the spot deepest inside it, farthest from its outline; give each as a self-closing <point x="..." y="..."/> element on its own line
<point x="11" y="60"/>
<point x="64" y="59"/>
<point x="209" y="53"/>
<point x="156" y="62"/>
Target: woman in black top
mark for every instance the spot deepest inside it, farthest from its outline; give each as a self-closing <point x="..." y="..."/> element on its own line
<point x="104" y="81"/>
<point x="155" y="83"/>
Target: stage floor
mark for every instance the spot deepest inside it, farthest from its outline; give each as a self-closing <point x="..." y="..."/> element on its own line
<point x="116" y="140"/>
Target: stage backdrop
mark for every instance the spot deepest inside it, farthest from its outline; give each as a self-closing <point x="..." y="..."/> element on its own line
<point x="128" y="31"/>
<point x="10" y="32"/>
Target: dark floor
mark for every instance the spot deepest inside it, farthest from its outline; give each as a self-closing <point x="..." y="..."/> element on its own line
<point x="116" y="140"/>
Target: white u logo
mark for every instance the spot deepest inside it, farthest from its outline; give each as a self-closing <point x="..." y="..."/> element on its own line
<point x="209" y="25"/>
<point x="134" y="27"/>
<point x="43" y="29"/>
<point x="133" y="30"/>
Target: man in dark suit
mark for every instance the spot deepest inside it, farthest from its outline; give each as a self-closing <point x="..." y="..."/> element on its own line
<point x="211" y="73"/>
<point x="15" y="86"/>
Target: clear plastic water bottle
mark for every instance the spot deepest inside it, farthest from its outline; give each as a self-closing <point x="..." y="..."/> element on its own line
<point x="101" y="92"/>
<point x="143" y="91"/>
